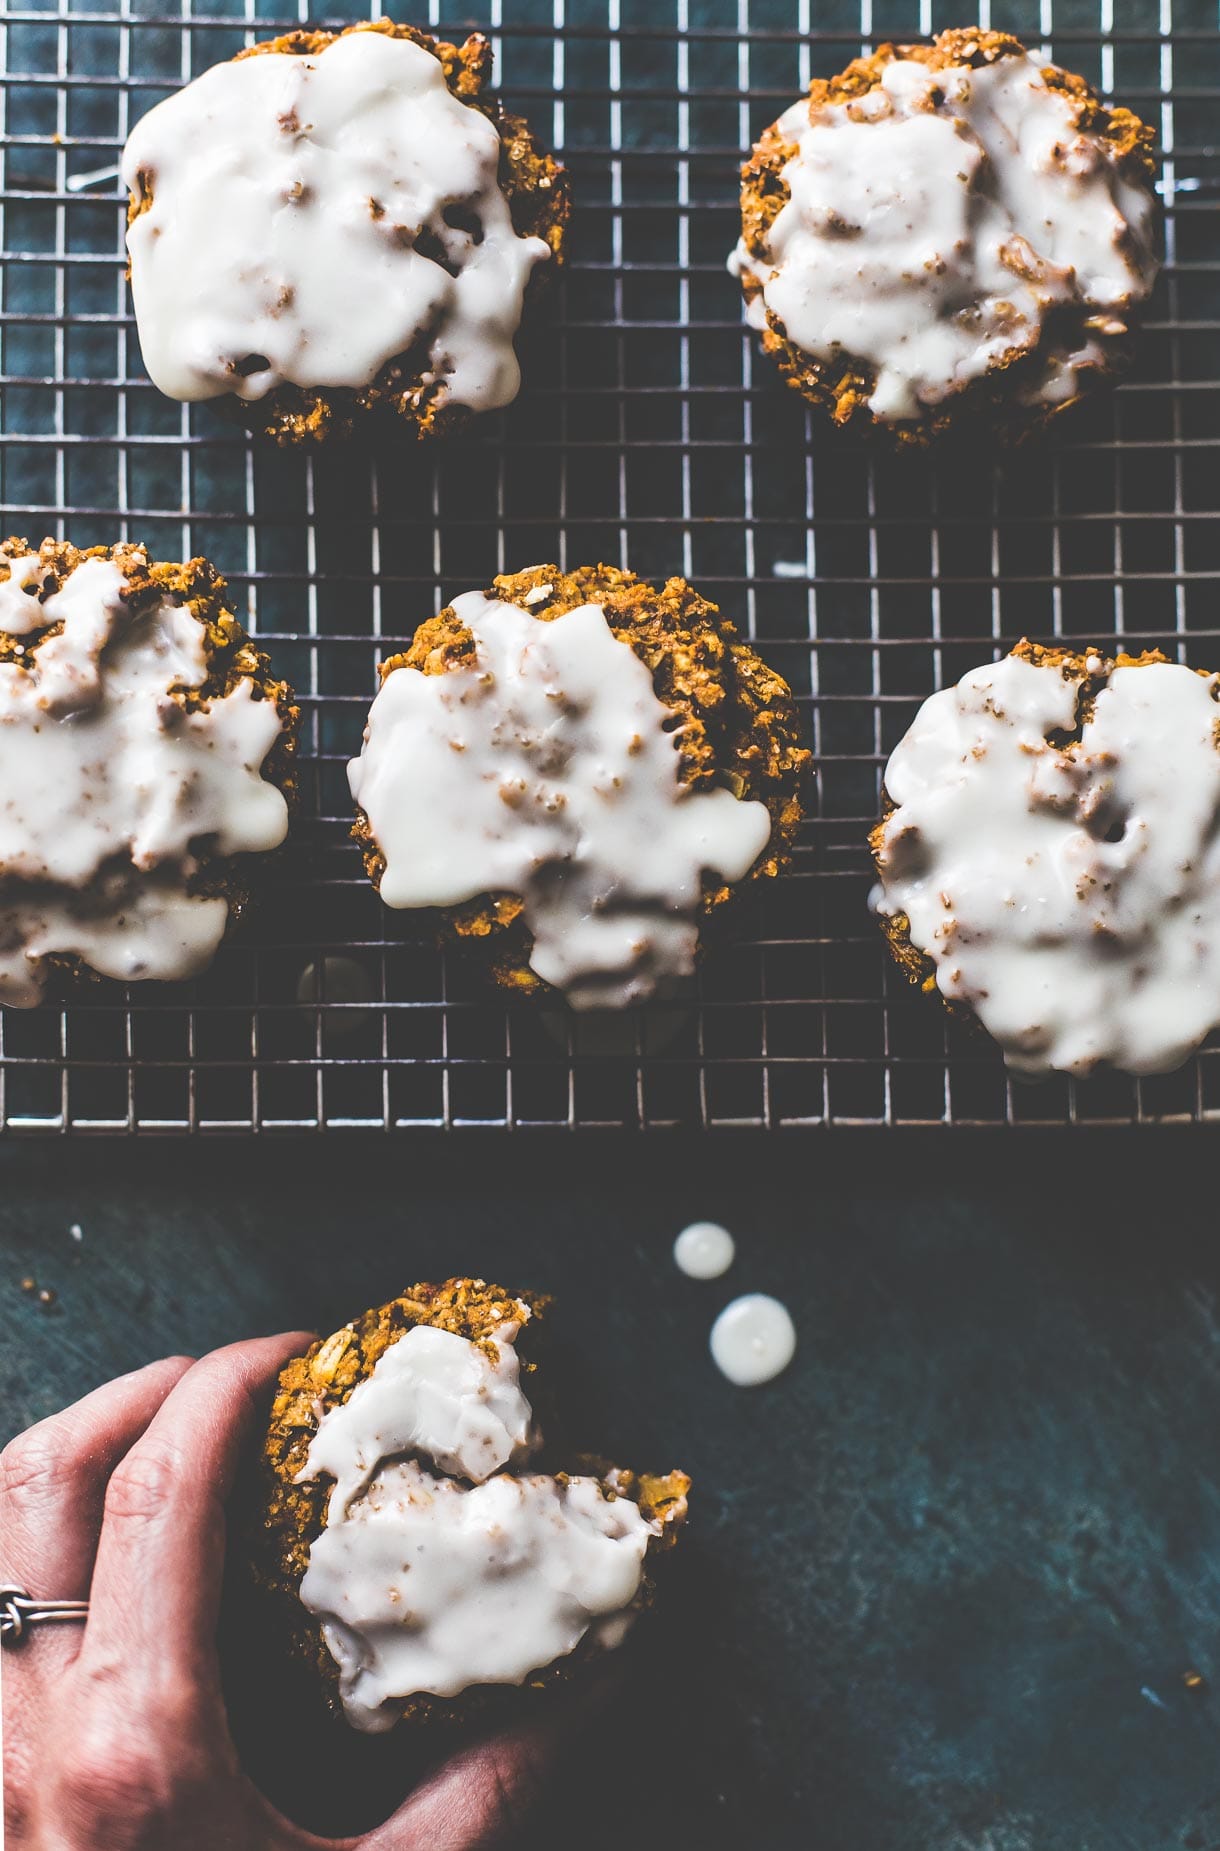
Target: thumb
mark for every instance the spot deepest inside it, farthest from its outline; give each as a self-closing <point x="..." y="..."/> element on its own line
<point x="481" y="1797"/>
<point x="486" y="1794"/>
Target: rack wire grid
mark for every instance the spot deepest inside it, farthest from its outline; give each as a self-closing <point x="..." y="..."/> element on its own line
<point x="650" y="432"/>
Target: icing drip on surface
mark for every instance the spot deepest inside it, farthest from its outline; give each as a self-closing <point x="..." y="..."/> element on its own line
<point x="107" y="784"/>
<point x="1070" y="895"/>
<point x="753" y="1340"/>
<point x="704" y="1250"/>
<point x="548" y="769"/>
<point x="426" y="1583"/>
<point x="315" y="217"/>
<point x="933" y="222"/>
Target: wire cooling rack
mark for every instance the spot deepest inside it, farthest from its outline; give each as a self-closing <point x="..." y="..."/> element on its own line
<point x="650" y="433"/>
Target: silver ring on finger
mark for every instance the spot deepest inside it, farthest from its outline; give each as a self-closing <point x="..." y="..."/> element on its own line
<point x="19" y="1611"/>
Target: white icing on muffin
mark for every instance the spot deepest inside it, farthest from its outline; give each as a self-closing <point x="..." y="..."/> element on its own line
<point x="313" y="217"/>
<point x="430" y="1393"/>
<point x="109" y="788"/>
<point x="1067" y="892"/>
<point x="437" y="1569"/>
<point x="549" y="769"/>
<point x="933" y="225"/>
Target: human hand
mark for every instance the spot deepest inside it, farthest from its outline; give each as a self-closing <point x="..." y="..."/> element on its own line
<point x="115" y="1734"/>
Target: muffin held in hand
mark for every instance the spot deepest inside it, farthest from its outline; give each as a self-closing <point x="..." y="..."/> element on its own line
<point x="145" y="751"/>
<point x="336" y="224"/>
<point x="1050" y="859"/>
<point x="419" y="1539"/>
<point x="947" y="234"/>
<point x="577" y="769"/>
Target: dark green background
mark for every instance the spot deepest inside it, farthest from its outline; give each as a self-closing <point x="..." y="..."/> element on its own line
<point x="945" y="1577"/>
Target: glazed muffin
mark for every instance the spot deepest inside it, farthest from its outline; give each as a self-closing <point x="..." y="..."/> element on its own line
<point x="146" y="752"/>
<point x="1049" y="861"/>
<point x="949" y="235"/>
<point x="417" y="1539"/>
<point x="577" y="769"/>
<point x="333" y="225"/>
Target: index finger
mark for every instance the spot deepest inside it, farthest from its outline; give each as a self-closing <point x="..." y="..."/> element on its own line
<point x="156" y="1583"/>
<point x="53" y="1479"/>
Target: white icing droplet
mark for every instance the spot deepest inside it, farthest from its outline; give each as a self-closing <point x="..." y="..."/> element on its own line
<point x="704" y="1250"/>
<point x="77" y="183"/>
<point x="753" y="1339"/>
<point x="930" y="242"/>
<point x="315" y="217"/>
<point x="1070" y="897"/>
<point x="547" y="769"/>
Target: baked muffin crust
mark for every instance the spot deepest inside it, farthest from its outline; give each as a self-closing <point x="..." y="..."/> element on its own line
<point x="288" y="1512"/>
<point x="1045" y="348"/>
<point x="737" y="727"/>
<point x="418" y="386"/>
<point x="1048" y="860"/>
<point x="149" y="754"/>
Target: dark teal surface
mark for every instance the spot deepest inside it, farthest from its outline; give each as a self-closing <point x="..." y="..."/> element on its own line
<point x="946" y="1576"/>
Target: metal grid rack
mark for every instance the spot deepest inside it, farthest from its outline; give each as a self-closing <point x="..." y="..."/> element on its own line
<point x="651" y="433"/>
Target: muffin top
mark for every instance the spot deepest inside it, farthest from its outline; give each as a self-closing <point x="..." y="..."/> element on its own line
<point x="439" y="1567"/>
<point x="542" y="762"/>
<point x="940" y="213"/>
<point x="1052" y="855"/>
<point x="134" y="724"/>
<point x="423" y="1539"/>
<point x="302" y="218"/>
